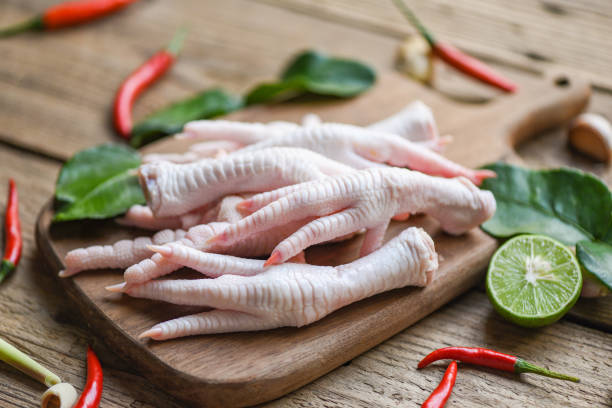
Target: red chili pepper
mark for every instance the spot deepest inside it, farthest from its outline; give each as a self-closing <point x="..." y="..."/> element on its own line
<point x="141" y="79"/>
<point x="90" y="398"/>
<point x="440" y="395"/>
<point x="14" y="242"/>
<point x="67" y="14"/>
<point x="490" y="358"/>
<point x="457" y="59"/>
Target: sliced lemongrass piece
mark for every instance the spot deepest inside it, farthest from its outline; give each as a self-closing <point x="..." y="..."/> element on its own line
<point x="21" y="361"/>
<point x="62" y="395"/>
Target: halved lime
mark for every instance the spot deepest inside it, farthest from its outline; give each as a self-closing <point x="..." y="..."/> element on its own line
<point x="533" y="280"/>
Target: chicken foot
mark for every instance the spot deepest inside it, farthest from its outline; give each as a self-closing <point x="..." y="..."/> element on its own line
<point x="175" y="189"/>
<point x="248" y="296"/>
<point x="361" y="199"/>
<point x="225" y="210"/>
<point x="363" y="148"/>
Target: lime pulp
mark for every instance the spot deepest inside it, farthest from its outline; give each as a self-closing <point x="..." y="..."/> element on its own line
<point x="533" y="280"/>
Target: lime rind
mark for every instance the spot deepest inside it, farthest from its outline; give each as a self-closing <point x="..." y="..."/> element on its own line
<point x="533" y="280"/>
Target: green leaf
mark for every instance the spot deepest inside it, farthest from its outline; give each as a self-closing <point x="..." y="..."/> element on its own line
<point x="311" y="72"/>
<point x="569" y="205"/>
<point x="90" y="167"/>
<point x="170" y="120"/>
<point x="566" y="204"/>
<point x="596" y="257"/>
<point x="98" y="183"/>
<point x="275" y="91"/>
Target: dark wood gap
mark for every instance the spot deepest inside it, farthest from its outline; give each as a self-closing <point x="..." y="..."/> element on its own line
<point x="9" y="143"/>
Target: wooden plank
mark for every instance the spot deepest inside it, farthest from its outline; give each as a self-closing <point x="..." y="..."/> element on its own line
<point x="57" y="88"/>
<point x="338" y="389"/>
<point x="34" y="316"/>
<point x="387" y="375"/>
<point x="532" y="34"/>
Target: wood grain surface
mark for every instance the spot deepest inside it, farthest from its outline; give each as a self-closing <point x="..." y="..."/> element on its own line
<point x="248" y="368"/>
<point x="55" y="91"/>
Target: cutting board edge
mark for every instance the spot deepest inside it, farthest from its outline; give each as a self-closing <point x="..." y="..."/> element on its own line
<point x="182" y="385"/>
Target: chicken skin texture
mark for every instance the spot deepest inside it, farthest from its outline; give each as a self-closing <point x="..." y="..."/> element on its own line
<point x="362" y="199"/>
<point x="364" y="148"/>
<point x="175" y="189"/>
<point x="119" y="255"/>
<point x="125" y="253"/>
<point x="198" y="151"/>
<point x="141" y="216"/>
<point x="198" y="237"/>
<point x="415" y="123"/>
<point x="248" y="296"/>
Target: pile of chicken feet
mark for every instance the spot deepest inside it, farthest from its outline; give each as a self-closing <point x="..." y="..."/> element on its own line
<point x="253" y="190"/>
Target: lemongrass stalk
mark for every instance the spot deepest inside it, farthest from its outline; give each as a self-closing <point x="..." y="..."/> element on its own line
<point x="21" y="361"/>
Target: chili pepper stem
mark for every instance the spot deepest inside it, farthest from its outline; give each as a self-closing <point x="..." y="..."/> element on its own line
<point x="35" y="23"/>
<point x="6" y="267"/>
<point x="21" y="361"/>
<point x="414" y="20"/>
<point x="522" y="366"/>
<point x="176" y="44"/>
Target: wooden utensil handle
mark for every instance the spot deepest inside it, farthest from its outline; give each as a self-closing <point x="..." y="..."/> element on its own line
<point x="552" y="107"/>
<point x="554" y="103"/>
<point x="492" y="133"/>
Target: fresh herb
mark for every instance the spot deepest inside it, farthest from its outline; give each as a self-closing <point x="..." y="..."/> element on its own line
<point x="24" y="363"/>
<point x="312" y="72"/>
<point x="596" y="257"/>
<point x="170" y="120"/>
<point x="98" y="183"/>
<point x="569" y="205"/>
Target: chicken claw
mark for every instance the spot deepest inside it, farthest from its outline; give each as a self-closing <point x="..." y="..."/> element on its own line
<point x="119" y="255"/>
<point x="142" y="217"/>
<point x="415" y="122"/>
<point x="361" y="199"/>
<point x="256" y="298"/>
<point x="363" y="148"/>
<point x="197" y="237"/>
<point x="175" y="189"/>
<point x="125" y="253"/>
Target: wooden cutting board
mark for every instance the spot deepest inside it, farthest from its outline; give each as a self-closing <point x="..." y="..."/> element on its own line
<point x="248" y="368"/>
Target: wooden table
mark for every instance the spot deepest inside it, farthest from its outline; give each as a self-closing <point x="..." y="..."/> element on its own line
<point x="55" y="94"/>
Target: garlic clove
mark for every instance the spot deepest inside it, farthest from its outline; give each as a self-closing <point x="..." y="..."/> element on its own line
<point x="415" y="58"/>
<point x="62" y="395"/>
<point x="591" y="134"/>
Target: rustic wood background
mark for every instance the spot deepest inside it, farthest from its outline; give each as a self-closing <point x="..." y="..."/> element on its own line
<point x="55" y="94"/>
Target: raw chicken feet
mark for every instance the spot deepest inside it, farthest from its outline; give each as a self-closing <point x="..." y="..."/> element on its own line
<point x="363" y="148"/>
<point x="175" y="189"/>
<point x="119" y="255"/>
<point x="256" y="298"/>
<point x="361" y="199"/>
